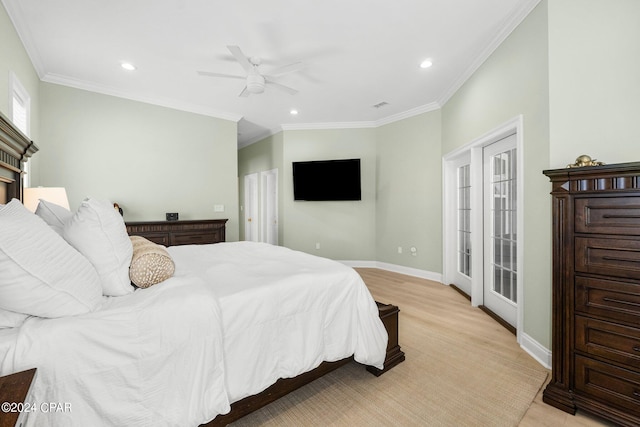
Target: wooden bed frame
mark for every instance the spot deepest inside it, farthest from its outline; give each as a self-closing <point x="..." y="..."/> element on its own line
<point x="388" y="315"/>
<point x="16" y="148"/>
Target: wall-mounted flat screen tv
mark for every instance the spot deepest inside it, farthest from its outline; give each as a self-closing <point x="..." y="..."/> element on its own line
<point x="323" y="180"/>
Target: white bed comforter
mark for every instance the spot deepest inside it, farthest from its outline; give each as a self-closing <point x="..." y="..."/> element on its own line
<point x="151" y="358"/>
<point x="234" y="318"/>
<point x="283" y="311"/>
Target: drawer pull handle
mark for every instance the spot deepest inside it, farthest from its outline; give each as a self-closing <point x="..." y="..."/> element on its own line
<point x="636" y="393"/>
<point x="620" y="216"/>
<point x="613" y="258"/>
<point x="618" y="301"/>
<point x="636" y="348"/>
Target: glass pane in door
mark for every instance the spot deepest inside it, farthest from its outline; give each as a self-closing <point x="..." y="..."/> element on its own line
<point x="464" y="220"/>
<point x="503" y="234"/>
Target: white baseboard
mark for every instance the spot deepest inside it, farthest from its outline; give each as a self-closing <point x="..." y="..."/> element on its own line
<point x="536" y="350"/>
<point x="409" y="271"/>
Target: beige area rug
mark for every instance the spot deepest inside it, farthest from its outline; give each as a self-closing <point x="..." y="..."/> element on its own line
<point x="452" y="376"/>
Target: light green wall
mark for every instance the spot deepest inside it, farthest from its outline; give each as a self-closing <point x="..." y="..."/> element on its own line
<point x="409" y="192"/>
<point x="514" y="81"/>
<point x="401" y="192"/>
<point x="149" y="159"/>
<point x="14" y="58"/>
<point x="344" y="229"/>
<point x="594" y="62"/>
<point x="259" y="157"/>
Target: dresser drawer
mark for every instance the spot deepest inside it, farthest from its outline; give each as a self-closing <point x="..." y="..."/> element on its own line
<point x="608" y="383"/>
<point x="609" y="257"/>
<point x="608" y="215"/>
<point x="159" y="238"/>
<point x="614" y="342"/>
<point x="193" y="238"/>
<point x="610" y="299"/>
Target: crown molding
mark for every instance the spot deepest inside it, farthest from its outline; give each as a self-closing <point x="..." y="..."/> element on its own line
<point x="17" y="19"/>
<point x="329" y="125"/>
<point x="343" y="125"/>
<point x="507" y="26"/>
<point x="162" y="102"/>
<point x="432" y="106"/>
<point x="364" y="124"/>
<point x="259" y="137"/>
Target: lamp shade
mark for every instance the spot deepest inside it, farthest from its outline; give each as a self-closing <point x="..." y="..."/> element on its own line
<point x="57" y="195"/>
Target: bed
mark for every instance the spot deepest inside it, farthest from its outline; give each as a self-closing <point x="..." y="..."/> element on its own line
<point x="236" y="324"/>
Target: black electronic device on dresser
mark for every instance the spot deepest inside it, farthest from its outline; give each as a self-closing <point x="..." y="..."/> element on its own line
<point x="180" y="232"/>
<point x="596" y="291"/>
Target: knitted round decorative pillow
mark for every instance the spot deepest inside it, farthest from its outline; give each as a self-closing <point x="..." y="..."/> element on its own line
<point x="150" y="263"/>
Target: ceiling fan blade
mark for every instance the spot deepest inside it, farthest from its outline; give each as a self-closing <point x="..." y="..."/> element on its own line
<point x="241" y="58"/>
<point x="289" y="90"/>
<point x="287" y="69"/>
<point x="210" y="74"/>
<point x="245" y="92"/>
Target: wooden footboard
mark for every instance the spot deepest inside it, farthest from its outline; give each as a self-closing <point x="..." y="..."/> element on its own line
<point x="388" y="315"/>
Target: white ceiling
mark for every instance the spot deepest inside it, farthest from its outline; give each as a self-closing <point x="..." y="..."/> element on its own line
<point x="357" y="53"/>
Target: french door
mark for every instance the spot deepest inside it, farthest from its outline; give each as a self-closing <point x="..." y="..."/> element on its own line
<point x="482" y="230"/>
<point x="459" y="254"/>
<point x="500" y="289"/>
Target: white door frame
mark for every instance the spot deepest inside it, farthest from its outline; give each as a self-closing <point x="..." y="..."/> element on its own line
<point x="475" y="147"/>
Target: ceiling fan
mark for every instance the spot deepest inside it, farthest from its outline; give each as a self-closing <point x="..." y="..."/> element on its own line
<point x="256" y="81"/>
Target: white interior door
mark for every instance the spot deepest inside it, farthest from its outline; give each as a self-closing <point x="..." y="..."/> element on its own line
<point x="500" y="229"/>
<point x="251" y="218"/>
<point x="270" y="206"/>
<point x="458" y="249"/>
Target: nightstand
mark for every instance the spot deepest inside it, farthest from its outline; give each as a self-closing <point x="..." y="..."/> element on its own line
<point x="14" y="389"/>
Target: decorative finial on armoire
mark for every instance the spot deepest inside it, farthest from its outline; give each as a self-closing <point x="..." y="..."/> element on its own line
<point x="585" y="160"/>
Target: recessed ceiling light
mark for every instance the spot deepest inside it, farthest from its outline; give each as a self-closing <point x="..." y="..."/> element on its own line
<point x="426" y="63"/>
<point x="127" y="66"/>
<point x="294" y="112"/>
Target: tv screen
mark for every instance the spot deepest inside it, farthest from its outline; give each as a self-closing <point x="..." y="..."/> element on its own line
<point x="324" y="180"/>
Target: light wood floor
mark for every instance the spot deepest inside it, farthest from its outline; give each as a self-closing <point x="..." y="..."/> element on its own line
<point x="391" y="288"/>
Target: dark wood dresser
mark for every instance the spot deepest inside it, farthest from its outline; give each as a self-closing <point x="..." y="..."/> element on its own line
<point x="173" y="233"/>
<point x="596" y="291"/>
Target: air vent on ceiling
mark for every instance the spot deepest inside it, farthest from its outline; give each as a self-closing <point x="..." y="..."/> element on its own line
<point x="380" y="104"/>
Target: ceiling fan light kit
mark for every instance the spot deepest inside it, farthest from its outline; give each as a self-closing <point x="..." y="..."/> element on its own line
<point x="255" y="83"/>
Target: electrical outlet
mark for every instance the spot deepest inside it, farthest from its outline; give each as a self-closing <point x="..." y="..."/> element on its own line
<point x="399" y="249"/>
<point x="317" y="245"/>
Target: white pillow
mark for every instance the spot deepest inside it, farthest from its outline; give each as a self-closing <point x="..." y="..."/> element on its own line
<point x="40" y="274"/>
<point x="11" y="319"/>
<point x="98" y="232"/>
<point x="54" y="215"/>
